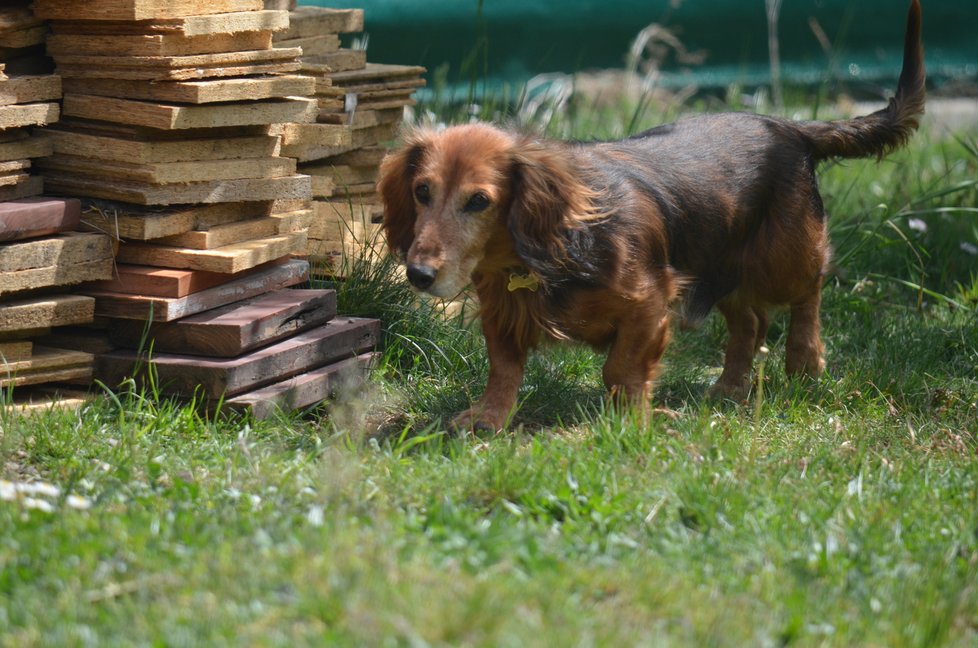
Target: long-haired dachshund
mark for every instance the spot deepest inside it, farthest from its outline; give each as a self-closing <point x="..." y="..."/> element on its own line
<point x="592" y="241"/>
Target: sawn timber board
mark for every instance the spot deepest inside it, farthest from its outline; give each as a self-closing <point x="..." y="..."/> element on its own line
<point x="161" y="309"/>
<point x="338" y="339"/>
<point x="232" y="330"/>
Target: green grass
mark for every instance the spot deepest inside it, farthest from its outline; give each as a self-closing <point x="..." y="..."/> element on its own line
<point x="843" y="512"/>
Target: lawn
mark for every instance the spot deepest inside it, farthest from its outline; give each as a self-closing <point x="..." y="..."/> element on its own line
<point x="841" y="512"/>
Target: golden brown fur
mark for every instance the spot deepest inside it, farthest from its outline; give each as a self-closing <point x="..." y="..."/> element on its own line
<point x="594" y="241"/>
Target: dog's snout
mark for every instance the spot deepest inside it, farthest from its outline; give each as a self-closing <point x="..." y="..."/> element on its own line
<point x="421" y="276"/>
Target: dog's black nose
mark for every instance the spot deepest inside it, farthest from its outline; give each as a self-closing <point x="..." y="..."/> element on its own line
<point x="421" y="276"/>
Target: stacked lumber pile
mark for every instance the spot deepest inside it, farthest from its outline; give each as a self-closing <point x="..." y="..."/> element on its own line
<point x="41" y="256"/>
<point x="167" y="135"/>
<point x="360" y="106"/>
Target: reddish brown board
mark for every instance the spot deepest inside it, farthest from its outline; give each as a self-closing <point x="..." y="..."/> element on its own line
<point x="186" y="375"/>
<point x="162" y="309"/>
<point x="149" y="281"/>
<point x="337" y="380"/>
<point x="233" y="329"/>
<point x="32" y="217"/>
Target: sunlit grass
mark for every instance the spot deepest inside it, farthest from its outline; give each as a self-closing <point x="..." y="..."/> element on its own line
<point x="844" y="513"/>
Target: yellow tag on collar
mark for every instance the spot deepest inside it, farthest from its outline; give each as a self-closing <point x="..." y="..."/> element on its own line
<point x="517" y="281"/>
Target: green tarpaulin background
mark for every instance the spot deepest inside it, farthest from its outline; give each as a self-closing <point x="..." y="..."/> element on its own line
<point x="512" y="40"/>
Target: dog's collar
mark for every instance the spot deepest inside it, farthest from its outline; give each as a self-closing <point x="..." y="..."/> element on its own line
<point x="520" y="279"/>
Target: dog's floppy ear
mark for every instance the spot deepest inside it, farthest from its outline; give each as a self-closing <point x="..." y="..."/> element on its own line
<point x="548" y="200"/>
<point x="397" y="172"/>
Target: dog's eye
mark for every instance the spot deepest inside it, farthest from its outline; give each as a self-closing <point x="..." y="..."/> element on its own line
<point x="477" y="203"/>
<point x="422" y="193"/>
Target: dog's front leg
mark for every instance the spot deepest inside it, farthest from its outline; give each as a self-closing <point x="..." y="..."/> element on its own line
<point x="506" y="366"/>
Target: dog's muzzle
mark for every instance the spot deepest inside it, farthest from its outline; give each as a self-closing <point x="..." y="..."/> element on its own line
<point x="421" y="276"/>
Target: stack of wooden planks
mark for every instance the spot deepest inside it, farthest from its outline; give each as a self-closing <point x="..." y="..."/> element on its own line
<point x="360" y="106"/>
<point x="167" y="133"/>
<point x="41" y="256"/>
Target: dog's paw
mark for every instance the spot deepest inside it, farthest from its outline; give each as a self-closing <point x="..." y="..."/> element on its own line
<point x="475" y="421"/>
<point x="732" y="391"/>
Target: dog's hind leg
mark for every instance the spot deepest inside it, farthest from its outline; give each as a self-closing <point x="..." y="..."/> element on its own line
<point x="747" y="327"/>
<point x="803" y="354"/>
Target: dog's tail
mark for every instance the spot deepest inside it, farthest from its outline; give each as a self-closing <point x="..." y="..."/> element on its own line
<point x="879" y="133"/>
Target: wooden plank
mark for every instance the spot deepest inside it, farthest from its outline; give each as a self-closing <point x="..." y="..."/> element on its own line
<point x="338" y="339"/>
<point x="25" y="148"/>
<point x="131" y="222"/>
<point x="241" y="231"/>
<point x="197" y="92"/>
<point x="79" y="338"/>
<point x="228" y="259"/>
<point x="278" y="275"/>
<point x="181" y="74"/>
<point x="17" y="18"/>
<point x="186" y="25"/>
<point x="316" y="45"/>
<point x="162" y="282"/>
<point x="360" y="138"/>
<point x="321" y="135"/>
<point x="138" y="9"/>
<point x="76" y="258"/>
<point x="43" y="312"/>
<point x="166" y="173"/>
<point x="310" y="21"/>
<point x="174" y="117"/>
<point x="68" y="248"/>
<point x="377" y="72"/>
<point x="134" y="151"/>
<point x="339" y="61"/>
<point x="363" y="118"/>
<point x="234" y="329"/>
<point x="286" y="188"/>
<point x="33" y="114"/>
<point x="15" y="351"/>
<point x="32" y="217"/>
<point x="31" y="186"/>
<point x="60" y="275"/>
<point x="23" y="38"/>
<point x="48" y="365"/>
<point x="220" y="59"/>
<point x="366" y="156"/>
<point x="335" y="380"/>
<point x="30" y="89"/>
<point x="173" y="44"/>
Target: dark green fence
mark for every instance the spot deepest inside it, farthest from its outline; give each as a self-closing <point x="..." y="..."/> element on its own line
<point x="854" y="41"/>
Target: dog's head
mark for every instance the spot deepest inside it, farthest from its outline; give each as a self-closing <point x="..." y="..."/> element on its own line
<point x="476" y="197"/>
